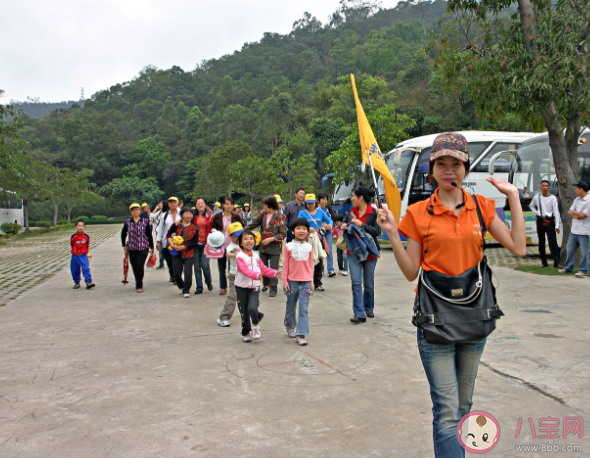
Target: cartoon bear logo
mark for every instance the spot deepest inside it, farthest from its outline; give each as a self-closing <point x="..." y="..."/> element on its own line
<point x="478" y="432"/>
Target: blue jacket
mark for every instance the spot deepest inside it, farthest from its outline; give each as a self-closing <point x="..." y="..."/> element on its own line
<point x="359" y="243"/>
<point x="315" y="221"/>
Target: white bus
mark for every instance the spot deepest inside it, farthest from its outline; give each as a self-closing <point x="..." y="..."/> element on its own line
<point x="532" y="163"/>
<point x="409" y="165"/>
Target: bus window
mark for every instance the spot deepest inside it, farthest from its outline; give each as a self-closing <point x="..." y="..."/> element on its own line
<point x="502" y="162"/>
<point x="476" y="148"/>
<point x="584" y="168"/>
<point x="422" y="188"/>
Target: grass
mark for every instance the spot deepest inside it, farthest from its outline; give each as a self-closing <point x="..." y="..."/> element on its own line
<point x="541" y="271"/>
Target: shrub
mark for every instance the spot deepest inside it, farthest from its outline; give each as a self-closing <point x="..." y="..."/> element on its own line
<point x="11" y="228"/>
<point x="62" y="221"/>
<point x="41" y="223"/>
<point x="81" y="218"/>
<point x="66" y="225"/>
<point x="99" y="218"/>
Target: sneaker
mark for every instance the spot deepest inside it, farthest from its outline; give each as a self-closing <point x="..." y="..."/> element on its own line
<point x="265" y="289"/>
<point x="256" y="332"/>
<point x="199" y="291"/>
<point x="90" y="285"/>
<point x="345" y="273"/>
<point x="222" y="323"/>
<point x="210" y="287"/>
<point x="186" y="296"/>
<point x="320" y="288"/>
<point x="291" y="333"/>
<point x="301" y="340"/>
<point x="332" y="274"/>
<point x="159" y="267"/>
<point x="223" y="292"/>
<point x="248" y="337"/>
<point x="581" y="274"/>
<point x="563" y="271"/>
<point x="77" y="286"/>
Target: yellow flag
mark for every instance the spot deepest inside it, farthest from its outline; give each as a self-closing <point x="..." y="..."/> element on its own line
<point x="369" y="146"/>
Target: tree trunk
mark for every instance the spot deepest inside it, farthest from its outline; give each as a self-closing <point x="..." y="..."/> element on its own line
<point x="527" y="24"/>
<point x="69" y="213"/>
<point x="565" y="159"/>
<point x="55" y="208"/>
<point x="26" y="207"/>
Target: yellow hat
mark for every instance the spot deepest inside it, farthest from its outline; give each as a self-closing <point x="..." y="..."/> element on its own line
<point x="144" y="205"/>
<point x="236" y="206"/>
<point x="172" y="198"/>
<point x="257" y="238"/>
<point x="177" y="240"/>
<point x="217" y="204"/>
<point x="279" y="200"/>
<point x="134" y="205"/>
<point x="310" y="198"/>
<point x="235" y="229"/>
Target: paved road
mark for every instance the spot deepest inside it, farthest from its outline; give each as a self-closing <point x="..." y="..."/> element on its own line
<point x="112" y="373"/>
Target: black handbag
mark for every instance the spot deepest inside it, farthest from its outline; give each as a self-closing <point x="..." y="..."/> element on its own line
<point x="460" y="308"/>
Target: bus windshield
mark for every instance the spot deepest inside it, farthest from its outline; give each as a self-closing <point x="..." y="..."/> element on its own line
<point x="399" y="172"/>
<point x="533" y="165"/>
<point x="343" y="193"/>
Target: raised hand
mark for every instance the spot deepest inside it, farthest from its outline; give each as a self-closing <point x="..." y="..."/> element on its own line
<point x="386" y="220"/>
<point x="503" y="186"/>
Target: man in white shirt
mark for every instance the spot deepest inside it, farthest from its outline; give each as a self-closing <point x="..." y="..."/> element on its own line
<point x="580" y="235"/>
<point x="546" y="209"/>
<point x="166" y="222"/>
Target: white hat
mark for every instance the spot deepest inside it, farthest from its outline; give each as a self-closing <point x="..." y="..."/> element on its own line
<point x="215" y="239"/>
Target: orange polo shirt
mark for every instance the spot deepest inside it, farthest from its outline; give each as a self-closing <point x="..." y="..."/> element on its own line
<point x="453" y="242"/>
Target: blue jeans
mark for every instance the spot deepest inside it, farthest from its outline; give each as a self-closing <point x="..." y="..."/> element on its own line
<point x="451" y="370"/>
<point x="362" y="275"/>
<point x="573" y="243"/>
<point x="202" y="264"/>
<point x="299" y="290"/>
<point x="342" y="260"/>
<point x="330" y="258"/>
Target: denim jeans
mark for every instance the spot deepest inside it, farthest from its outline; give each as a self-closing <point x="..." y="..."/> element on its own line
<point x="573" y="243"/>
<point x="362" y="277"/>
<point x="202" y="264"/>
<point x="342" y="260"/>
<point x="299" y="291"/>
<point x="330" y="258"/>
<point x="451" y="370"/>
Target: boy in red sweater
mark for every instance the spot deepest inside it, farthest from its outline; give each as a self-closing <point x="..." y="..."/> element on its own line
<point x="80" y="244"/>
<point x="298" y="280"/>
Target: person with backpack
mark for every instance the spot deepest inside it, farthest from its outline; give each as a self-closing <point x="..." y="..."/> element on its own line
<point x="445" y="246"/>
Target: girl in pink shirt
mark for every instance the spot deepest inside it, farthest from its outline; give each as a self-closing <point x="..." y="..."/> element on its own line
<point x="247" y="282"/>
<point x="298" y="281"/>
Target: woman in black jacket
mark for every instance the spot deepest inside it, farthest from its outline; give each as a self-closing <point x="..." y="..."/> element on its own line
<point x="362" y="274"/>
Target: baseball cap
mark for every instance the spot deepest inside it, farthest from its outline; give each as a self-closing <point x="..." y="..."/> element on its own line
<point x="235" y="229"/>
<point x="144" y="205"/>
<point x="582" y="184"/>
<point x="172" y="198"/>
<point x="134" y="205"/>
<point x="279" y="200"/>
<point x="246" y="205"/>
<point x="450" y="144"/>
<point x="217" y="204"/>
<point x="310" y="198"/>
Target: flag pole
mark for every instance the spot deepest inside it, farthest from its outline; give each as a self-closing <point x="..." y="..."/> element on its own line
<point x="374" y="179"/>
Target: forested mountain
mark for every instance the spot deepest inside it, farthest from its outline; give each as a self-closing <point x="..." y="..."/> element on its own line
<point x="285" y="94"/>
<point x="37" y="109"/>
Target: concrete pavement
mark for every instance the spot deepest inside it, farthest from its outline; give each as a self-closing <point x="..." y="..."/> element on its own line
<point x="110" y="372"/>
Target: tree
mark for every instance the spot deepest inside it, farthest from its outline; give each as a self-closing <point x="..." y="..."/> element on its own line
<point x="533" y="62"/>
<point x="29" y="183"/>
<point x="77" y="190"/>
<point x="132" y="189"/>
<point x="11" y="145"/>
<point x="148" y="159"/>
<point x="389" y="128"/>
<point x="56" y="179"/>
<point x="294" y="171"/>
<point x="253" y="176"/>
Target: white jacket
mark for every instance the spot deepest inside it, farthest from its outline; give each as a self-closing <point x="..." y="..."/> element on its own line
<point x="249" y="270"/>
<point x="318" y="248"/>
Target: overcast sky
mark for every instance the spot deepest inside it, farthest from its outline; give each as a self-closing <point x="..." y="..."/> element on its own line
<point x="52" y="48"/>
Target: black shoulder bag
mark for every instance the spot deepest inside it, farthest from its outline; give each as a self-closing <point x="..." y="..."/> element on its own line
<point x="461" y="308"/>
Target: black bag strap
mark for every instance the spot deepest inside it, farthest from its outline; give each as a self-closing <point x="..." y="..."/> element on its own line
<point x="482" y="224"/>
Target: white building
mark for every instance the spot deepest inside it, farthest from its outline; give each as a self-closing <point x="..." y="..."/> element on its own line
<point x="11" y="208"/>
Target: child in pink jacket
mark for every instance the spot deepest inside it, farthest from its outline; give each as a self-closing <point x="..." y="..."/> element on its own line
<point x="247" y="282"/>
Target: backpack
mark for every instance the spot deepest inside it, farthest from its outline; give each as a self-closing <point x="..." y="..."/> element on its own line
<point x="214" y="253"/>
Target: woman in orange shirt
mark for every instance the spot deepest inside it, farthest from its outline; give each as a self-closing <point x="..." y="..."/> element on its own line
<point x="443" y="234"/>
